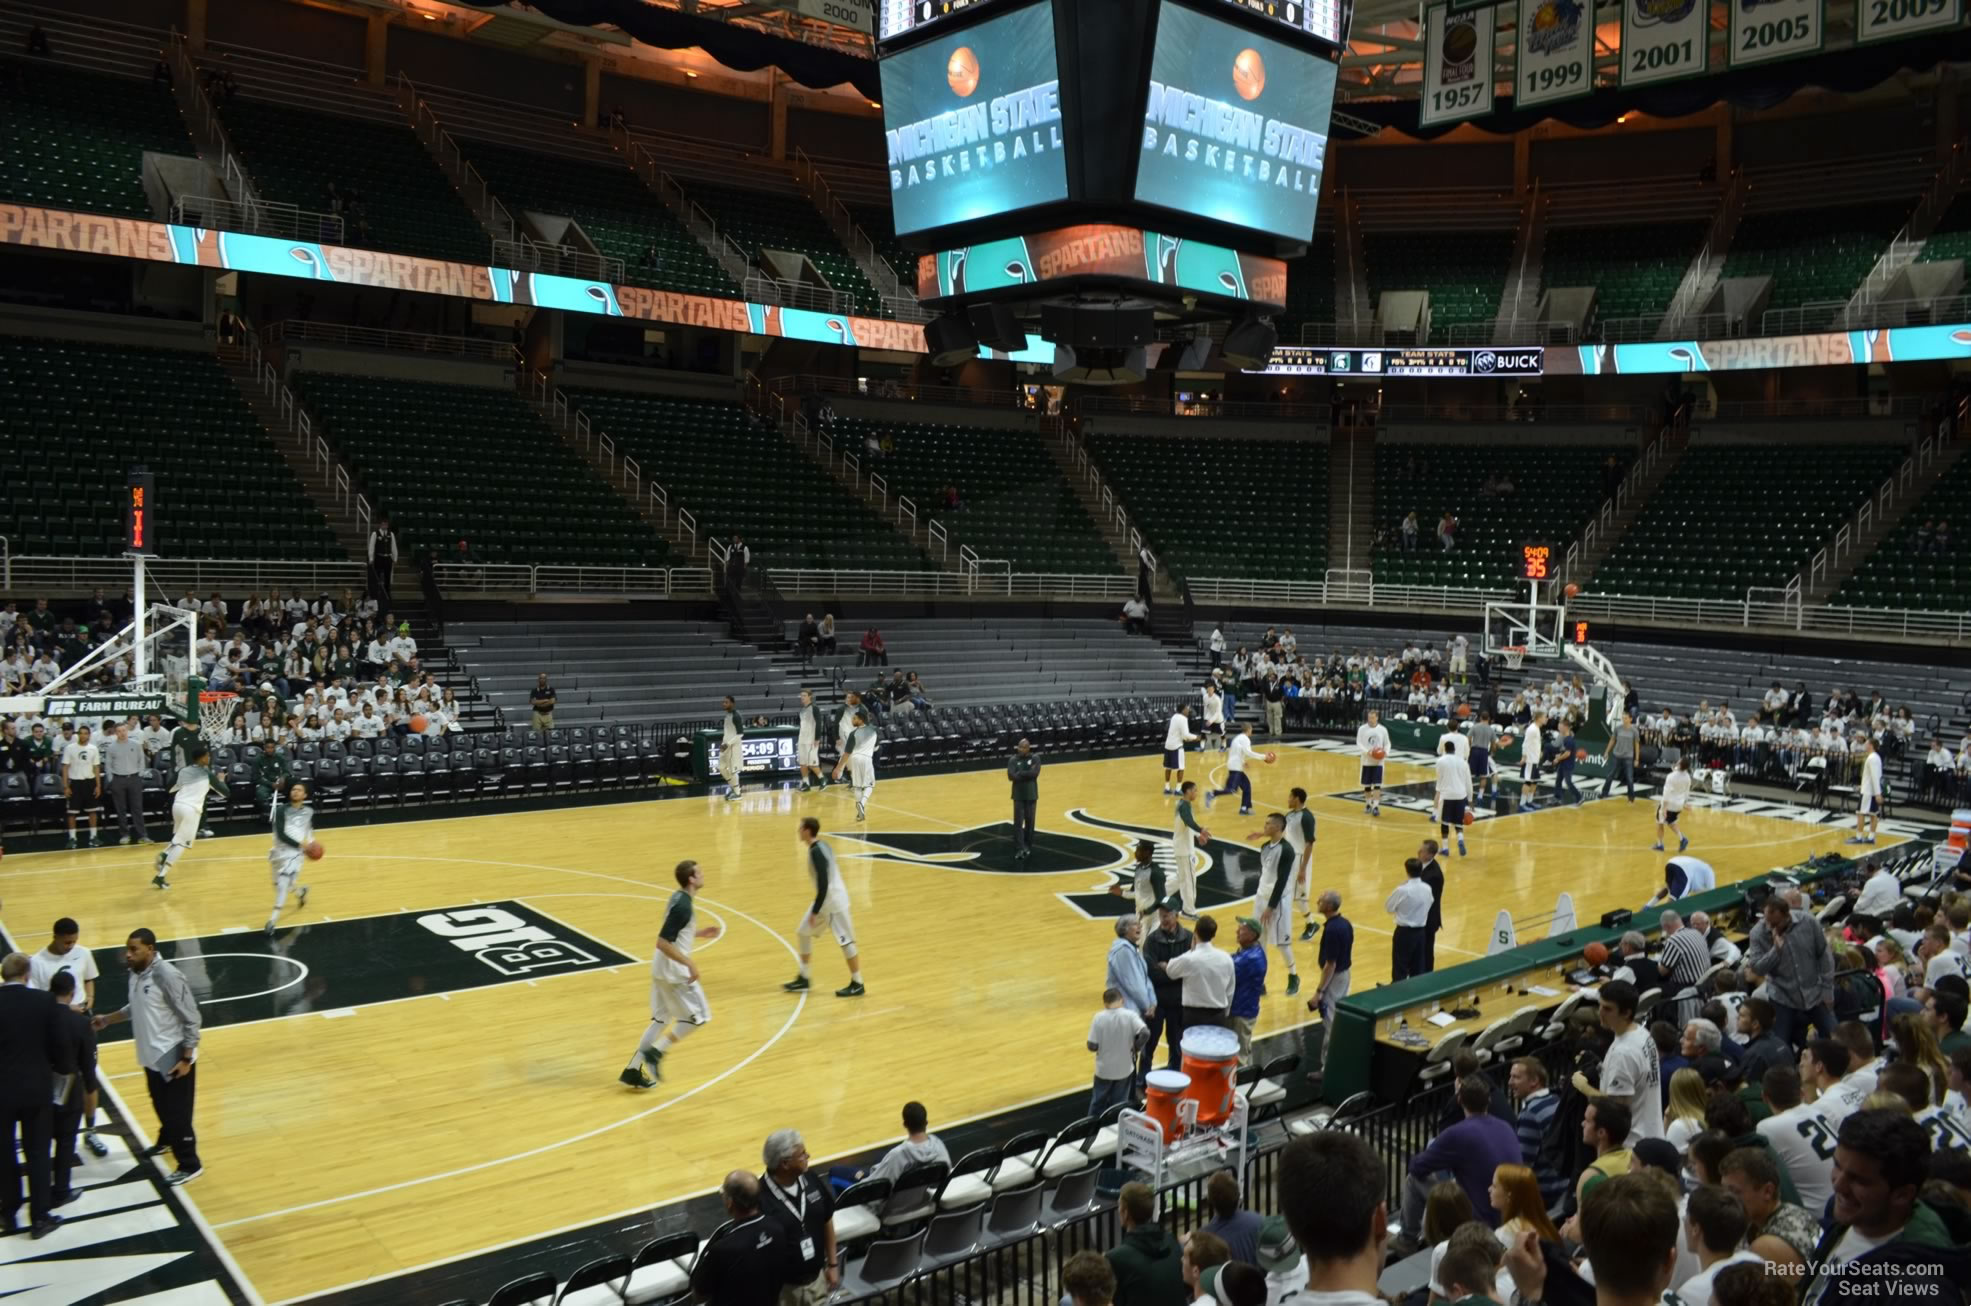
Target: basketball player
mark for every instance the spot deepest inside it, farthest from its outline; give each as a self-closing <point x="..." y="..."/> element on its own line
<point x="1483" y="737"/>
<point x="1269" y="903"/>
<point x="1174" y="740"/>
<point x="732" y="748"/>
<point x="1453" y="793"/>
<point x="1300" y="838"/>
<point x="196" y="778"/>
<point x="1214" y="712"/>
<point x="1372" y="741"/>
<point x="859" y="755"/>
<point x="677" y="999"/>
<point x="1868" y="806"/>
<point x="1146" y="886"/>
<point x="831" y="904"/>
<point x="1529" y="760"/>
<point x="1459" y="646"/>
<point x="1676" y="793"/>
<point x="294" y="830"/>
<point x="807" y="748"/>
<point x="1237" y="781"/>
<point x="844" y="731"/>
<point x="1185" y="835"/>
<point x="183" y="736"/>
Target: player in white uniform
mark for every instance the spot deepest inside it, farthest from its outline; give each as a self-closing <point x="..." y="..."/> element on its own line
<point x="860" y="758"/>
<point x="1270" y="903"/>
<point x="1868" y="807"/>
<point x="294" y="830"/>
<point x="1300" y="838"/>
<point x="677" y="999"/>
<point x="844" y="731"/>
<point x="732" y="748"/>
<point x="1676" y="793"/>
<point x="1237" y="781"/>
<point x="1531" y="745"/>
<point x="1174" y="739"/>
<point x="195" y="779"/>
<point x="1146" y="883"/>
<point x="807" y="748"/>
<point x="1214" y="713"/>
<point x="1372" y="741"/>
<point x="1185" y="836"/>
<point x="1453" y="791"/>
<point x="830" y="905"/>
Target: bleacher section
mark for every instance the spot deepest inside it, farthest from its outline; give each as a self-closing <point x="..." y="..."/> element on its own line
<point x="74" y="418"/>
<point x="76" y="140"/>
<point x="457" y="462"/>
<point x="408" y="206"/>
<point x="877" y="222"/>
<point x="1311" y="285"/>
<point x="1951" y="237"/>
<point x="1224" y="507"/>
<point x="1909" y="571"/>
<point x="1463" y="271"/>
<point x="758" y="221"/>
<point x="736" y="475"/>
<point x="1814" y="254"/>
<point x="1555" y="489"/>
<point x="616" y="210"/>
<point x="1014" y="503"/>
<point x="1737" y="515"/>
<point x="1635" y="269"/>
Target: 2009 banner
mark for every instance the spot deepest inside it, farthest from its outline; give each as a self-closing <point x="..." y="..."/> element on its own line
<point x="1555" y="42"/>
<point x="1890" y="20"/>
<point x="1664" y="40"/>
<point x="1763" y="31"/>
<point x="1458" y="53"/>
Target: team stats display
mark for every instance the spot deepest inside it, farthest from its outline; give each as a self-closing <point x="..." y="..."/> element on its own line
<point x="896" y="18"/>
<point x="1325" y="20"/>
<point x="1235" y="128"/>
<point x="1305" y="360"/>
<point x="972" y="122"/>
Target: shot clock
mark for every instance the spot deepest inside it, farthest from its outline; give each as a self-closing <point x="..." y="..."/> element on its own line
<point x="140" y="514"/>
<point x="1535" y="561"/>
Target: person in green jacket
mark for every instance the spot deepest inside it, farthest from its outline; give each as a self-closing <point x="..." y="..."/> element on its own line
<point x="272" y="775"/>
<point x="1023" y="769"/>
<point x="1148" y="1263"/>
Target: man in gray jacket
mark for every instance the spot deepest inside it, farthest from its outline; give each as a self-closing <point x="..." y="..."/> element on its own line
<point x="164" y="1023"/>
<point x="1789" y="952"/>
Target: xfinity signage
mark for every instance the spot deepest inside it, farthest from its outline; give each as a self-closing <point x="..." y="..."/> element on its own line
<point x="859" y="14"/>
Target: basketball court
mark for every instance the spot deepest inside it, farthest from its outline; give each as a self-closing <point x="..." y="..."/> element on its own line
<point x="422" y="1064"/>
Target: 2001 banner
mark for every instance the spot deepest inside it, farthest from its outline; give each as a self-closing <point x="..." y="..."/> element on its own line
<point x="1555" y="52"/>
<point x="1664" y="40"/>
<point x="1458" y="51"/>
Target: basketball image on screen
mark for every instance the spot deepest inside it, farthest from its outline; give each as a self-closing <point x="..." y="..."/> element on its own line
<point x="1236" y="126"/>
<point x="973" y="122"/>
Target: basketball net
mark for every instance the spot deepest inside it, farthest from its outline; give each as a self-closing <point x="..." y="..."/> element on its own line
<point x="215" y="711"/>
<point x="1515" y="655"/>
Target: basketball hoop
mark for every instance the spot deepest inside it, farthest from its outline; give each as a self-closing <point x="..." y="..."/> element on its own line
<point x="215" y="711"/>
<point x="1515" y="655"/>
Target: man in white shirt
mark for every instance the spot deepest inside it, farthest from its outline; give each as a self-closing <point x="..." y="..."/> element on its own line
<point x="1824" y="1064"/>
<point x="1530" y="745"/>
<point x="1114" y="1036"/>
<point x="1207" y="974"/>
<point x="1453" y="791"/>
<point x="1372" y="742"/>
<point x="367" y="726"/>
<point x="1868" y="813"/>
<point x="1799" y="1135"/>
<point x="1630" y="1071"/>
<point x="1714" y="1226"/>
<point x="1174" y="739"/>
<point x="1670" y="808"/>
<point x="1880" y="893"/>
<point x="81" y="770"/>
<point x="1237" y="759"/>
<point x="1409" y="902"/>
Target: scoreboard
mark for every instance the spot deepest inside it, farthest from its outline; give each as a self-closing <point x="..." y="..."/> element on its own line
<point x="1324" y="20"/>
<point x="896" y="18"/>
<point x="1305" y="360"/>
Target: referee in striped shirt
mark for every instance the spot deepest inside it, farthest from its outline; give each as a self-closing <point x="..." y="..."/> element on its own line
<point x="1684" y="959"/>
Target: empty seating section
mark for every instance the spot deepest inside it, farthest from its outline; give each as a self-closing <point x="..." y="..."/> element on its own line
<point x="408" y="205"/>
<point x="1463" y="271"/>
<point x="1224" y="507"/>
<point x="1951" y="238"/>
<point x="1013" y="502"/>
<point x="1554" y="490"/>
<point x="458" y="462"/>
<point x="1814" y="255"/>
<point x="788" y="221"/>
<point x="1909" y="569"/>
<point x="617" y="211"/>
<point x="1311" y="284"/>
<point x="1635" y="270"/>
<point x="76" y="140"/>
<point x="74" y="418"/>
<point x="737" y="475"/>
<point x="1737" y="515"/>
<point x="876" y="222"/>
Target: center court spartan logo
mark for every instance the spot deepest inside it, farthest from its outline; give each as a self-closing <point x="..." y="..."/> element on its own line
<point x="1226" y="873"/>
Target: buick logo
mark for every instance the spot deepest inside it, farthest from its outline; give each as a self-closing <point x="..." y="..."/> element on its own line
<point x="1487" y="361"/>
<point x="1484" y="361"/>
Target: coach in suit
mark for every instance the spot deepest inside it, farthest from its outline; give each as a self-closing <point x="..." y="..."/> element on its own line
<point x="34" y="1047"/>
<point x="1023" y="769"/>
<point x="1433" y="875"/>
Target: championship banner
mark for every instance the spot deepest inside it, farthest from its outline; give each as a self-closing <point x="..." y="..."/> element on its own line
<point x="1556" y="52"/>
<point x="1664" y="40"/>
<point x="1458" y="51"/>
<point x="1102" y="250"/>
<point x="1764" y="31"/>
<point x="1891" y="20"/>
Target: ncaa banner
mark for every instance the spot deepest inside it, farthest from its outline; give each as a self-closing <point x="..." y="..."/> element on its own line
<point x="1889" y="20"/>
<point x="1664" y="40"/>
<point x="1763" y="31"/>
<point x="1556" y="50"/>
<point x="1458" y="50"/>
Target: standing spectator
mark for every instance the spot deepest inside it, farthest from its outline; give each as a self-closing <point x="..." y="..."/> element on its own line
<point x="1115" y="1036"/>
<point x="1336" y="957"/>
<point x="1127" y="974"/>
<point x="1208" y="975"/>
<point x="919" y="1147"/>
<point x="542" y="700"/>
<point x="1217" y="645"/>
<point x="125" y="764"/>
<point x="1167" y="941"/>
<point x="1248" y="985"/>
<point x="1275" y="696"/>
<point x="1409" y="530"/>
<point x="737" y="559"/>
<point x="806" y="1210"/>
<point x="1023" y="769"/>
<point x="383" y="561"/>
<point x="1470" y="1151"/>
<point x="34" y="1047"/>
<point x="1625" y="751"/>
<point x="1788" y="951"/>
<point x="1630" y="1071"/>
<point x="1527" y="1083"/>
<point x="1238" y="1229"/>
<point x="1331" y="1193"/>
<point x="82" y="769"/>
<point x="1447" y="527"/>
<point x="1409" y="902"/>
<point x="748" y="1259"/>
<point x="75" y="1098"/>
<point x="874" y="652"/>
<point x="809" y="638"/>
<point x="164" y="1022"/>
<point x="1148" y="1266"/>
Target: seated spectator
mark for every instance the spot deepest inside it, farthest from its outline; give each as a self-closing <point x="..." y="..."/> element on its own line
<point x="1881" y="1231"/>
<point x="1281" y="1261"/>
<point x="825" y="634"/>
<point x="1684" y="1117"/>
<point x="1630" y="1233"/>
<point x="1331" y="1197"/>
<point x="1202" y="1251"/>
<point x="1799" y="1136"/>
<point x="1714" y="1229"/>
<point x="1702" y="1050"/>
<point x="1782" y="1233"/>
<point x="1516" y="1196"/>
<point x="1764" y="1048"/>
<point x="919" y="1147"/>
<point x="1149" y="1268"/>
<point x="874" y="652"/>
<point x="1605" y="1128"/>
<point x="1469" y="1152"/>
<point x="748" y="1259"/>
<point x="1824" y="1076"/>
<point x="1135" y="616"/>
<point x="1239" y="1229"/>
<point x="1087" y="1279"/>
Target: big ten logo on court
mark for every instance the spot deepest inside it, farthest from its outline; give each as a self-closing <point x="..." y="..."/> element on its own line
<point x="504" y="941"/>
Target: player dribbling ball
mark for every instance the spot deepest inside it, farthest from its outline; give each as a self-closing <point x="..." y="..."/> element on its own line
<point x="314" y="850"/>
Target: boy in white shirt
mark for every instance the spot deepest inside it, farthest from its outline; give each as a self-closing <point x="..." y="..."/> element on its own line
<point x="1114" y="1036"/>
<point x="1530" y="745"/>
<point x="1174" y="739"/>
<point x="1868" y="814"/>
<point x="1453" y="791"/>
<point x="1372" y="742"/>
<point x="1236" y="779"/>
<point x="1676" y="793"/>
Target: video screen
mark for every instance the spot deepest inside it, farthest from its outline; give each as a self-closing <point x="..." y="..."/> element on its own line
<point x="1236" y="126"/>
<point x="972" y="122"/>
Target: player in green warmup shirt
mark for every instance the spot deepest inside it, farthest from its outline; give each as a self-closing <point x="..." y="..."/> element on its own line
<point x="1185" y="836"/>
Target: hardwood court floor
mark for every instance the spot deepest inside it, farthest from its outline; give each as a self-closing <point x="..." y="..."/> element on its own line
<point x="375" y="1096"/>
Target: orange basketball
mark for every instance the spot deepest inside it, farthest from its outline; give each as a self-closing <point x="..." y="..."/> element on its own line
<point x="1580" y="754"/>
<point x="961" y="72"/>
<point x="1572" y="591"/>
<point x="314" y="850"/>
<point x="1464" y="711"/>
<point x="1272" y="758"/>
<point x="1249" y="74"/>
<point x="1471" y="817"/>
<point x="419" y="723"/>
<point x="1595" y="954"/>
<point x="1379" y="754"/>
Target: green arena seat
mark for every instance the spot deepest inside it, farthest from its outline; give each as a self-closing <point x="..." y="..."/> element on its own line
<point x="1635" y="269"/>
<point x="736" y="475"/>
<point x="1464" y="272"/>
<point x="74" y="418"/>
<point x="1951" y="238"/>
<point x="1219" y="506"/>
<point x="1908" y="569"/>
<point x="76" y="140"/>
<point x="1814" y="255"/>
<point x="760" y="221"/>
<point x="474" y="463"/>
<point x="1310" y="287"/>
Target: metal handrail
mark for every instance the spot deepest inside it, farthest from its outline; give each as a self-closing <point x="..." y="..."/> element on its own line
<point x="413" y="342"/>
<point x="532" y="580"/>
<point x="760" y="289"/>
<point x="287" y="221"/>
<point x="51" y="574"/>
